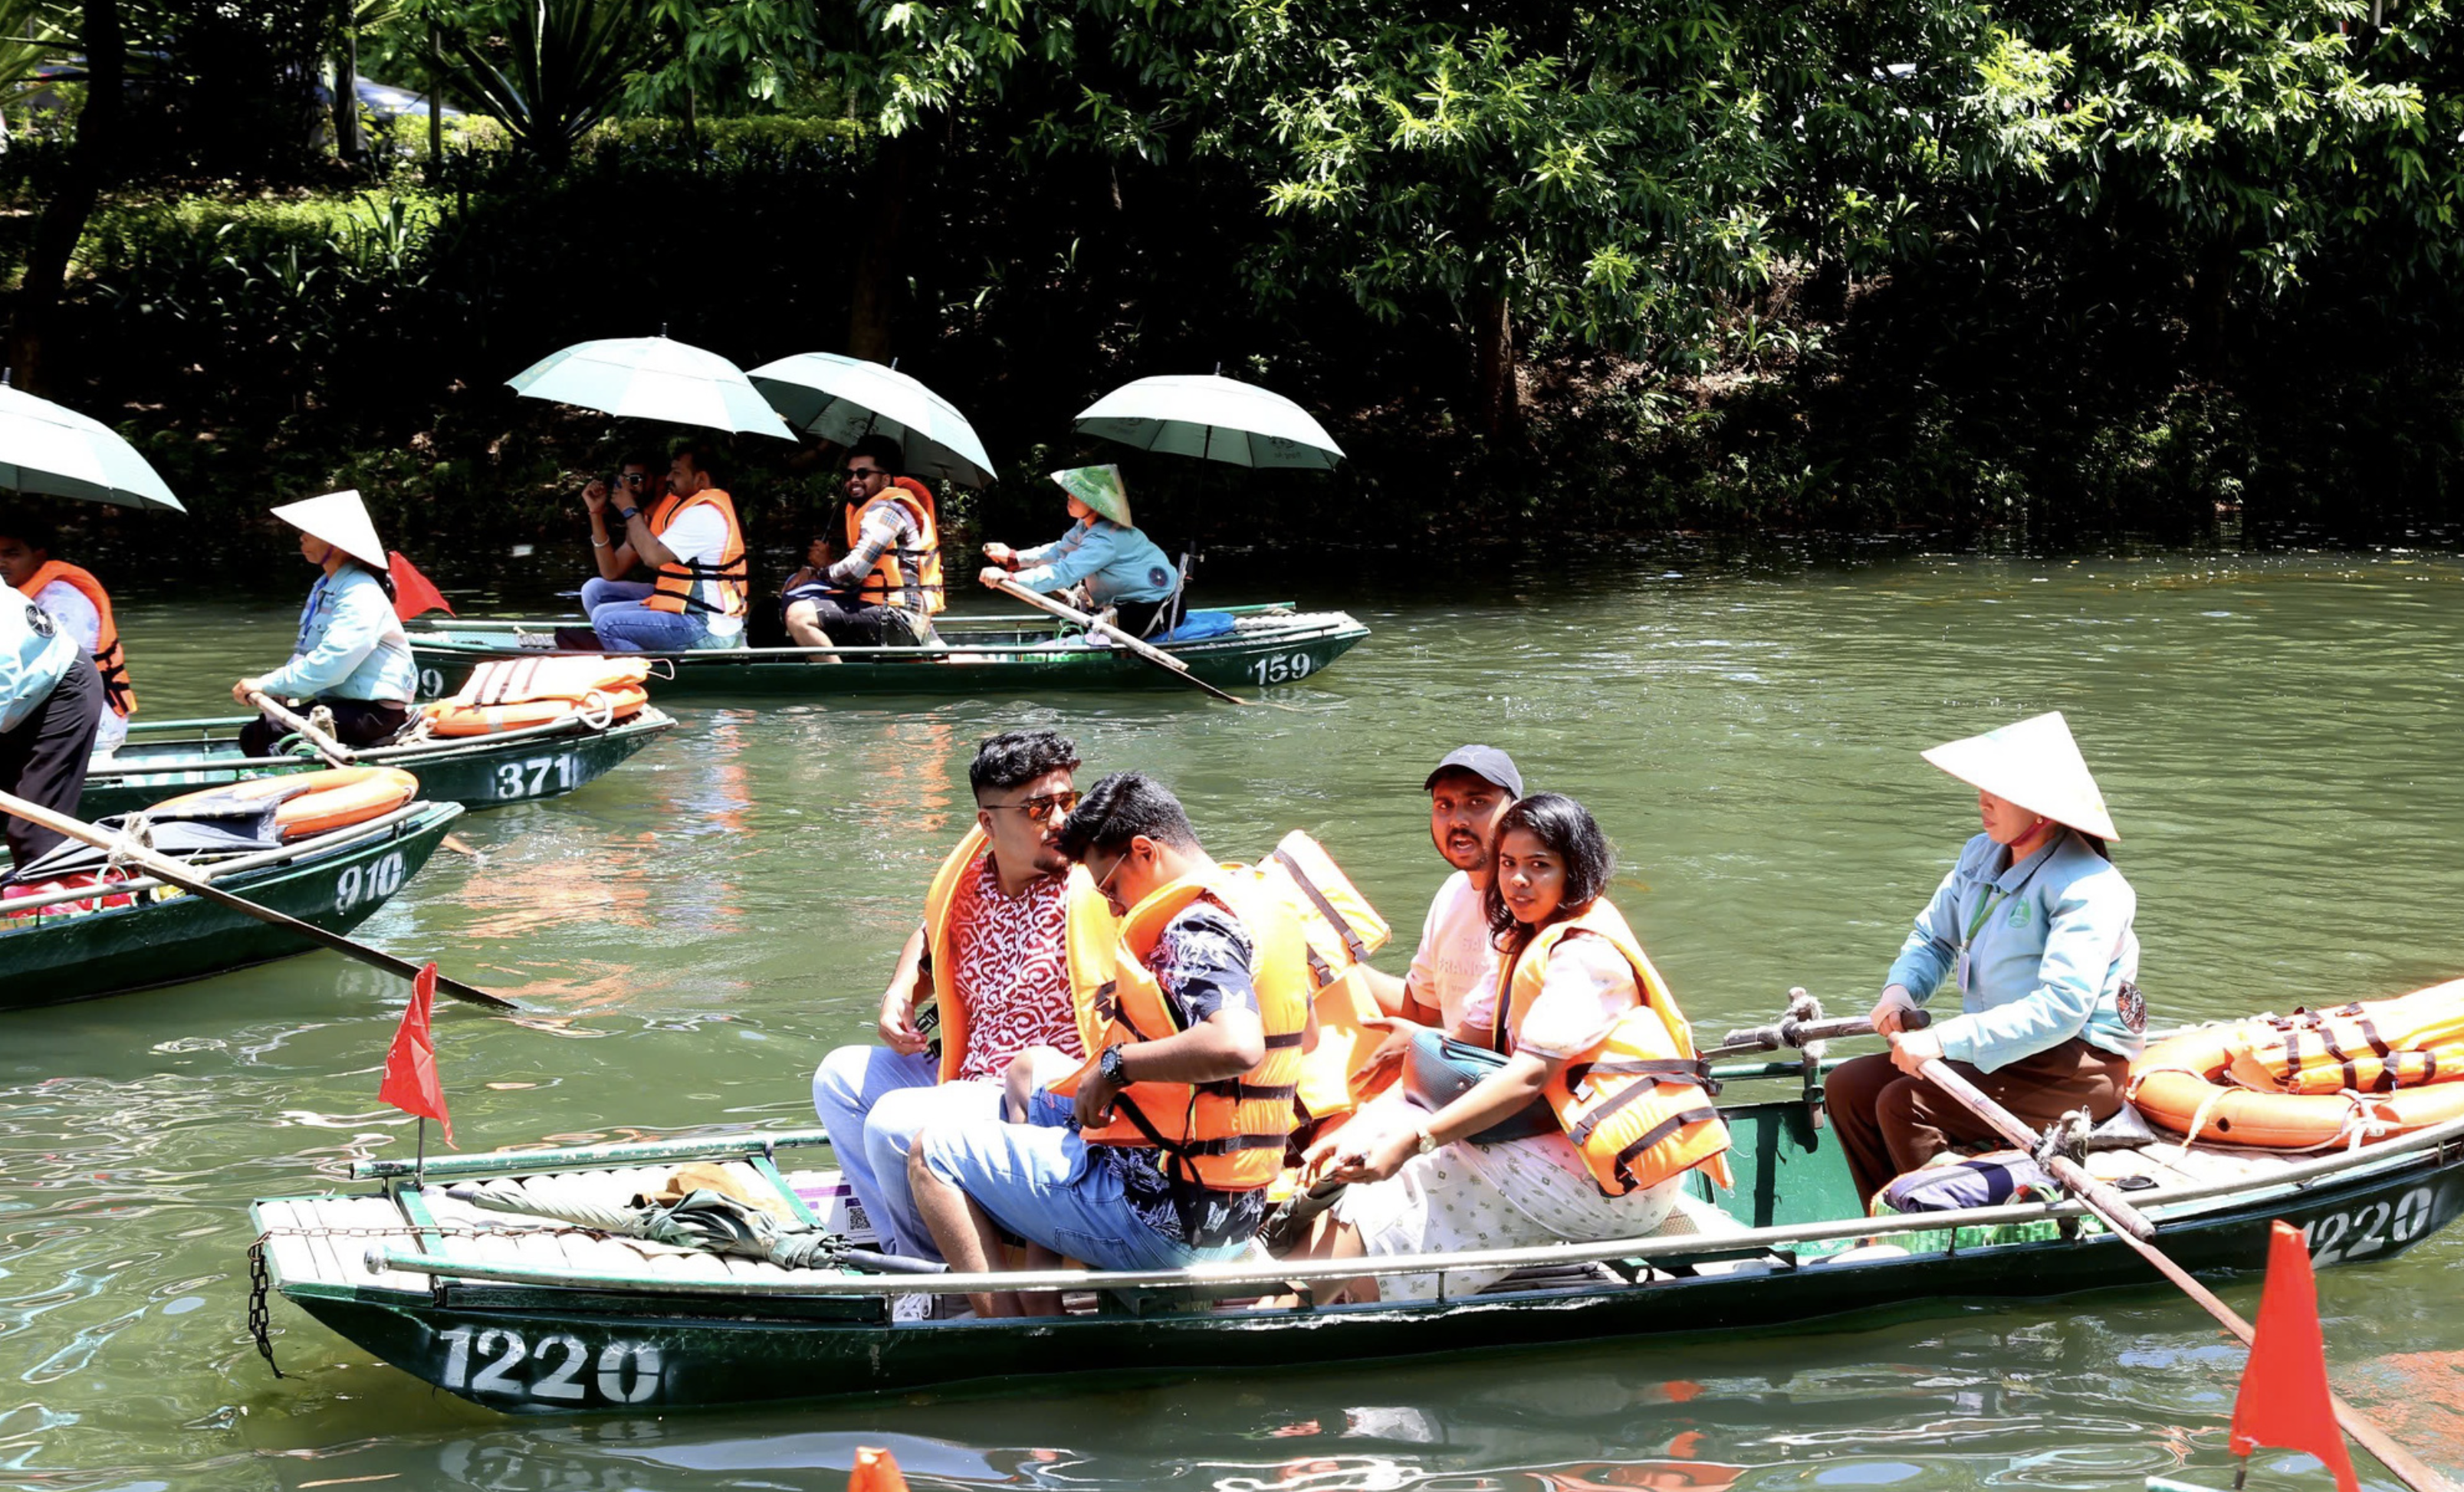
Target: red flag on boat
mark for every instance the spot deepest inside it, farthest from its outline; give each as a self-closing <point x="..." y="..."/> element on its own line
<point x="2284" y="1401"/>
<point x="412" y="592"/>
<point x="875" y="1471"/>
<point x="410" y="1065"/>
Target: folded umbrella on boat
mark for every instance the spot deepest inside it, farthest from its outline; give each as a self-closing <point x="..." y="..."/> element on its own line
<point x="1220" y="419"/>
<point x="50" y="449"/>
<point x="844" y="399"/>
<point x="705" y="1219"/>
<point x="651" y="378"/>
<point x="209" y="833"/>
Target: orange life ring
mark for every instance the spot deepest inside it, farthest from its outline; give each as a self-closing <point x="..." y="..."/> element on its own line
<point x="2179" y="1083"/>
<point x="313" y="803"/>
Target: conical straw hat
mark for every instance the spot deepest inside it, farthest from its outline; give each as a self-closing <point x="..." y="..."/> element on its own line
<point x="1100" y="487"/>
<point x="341" y="520"/>
<point x="2035" y="764"/>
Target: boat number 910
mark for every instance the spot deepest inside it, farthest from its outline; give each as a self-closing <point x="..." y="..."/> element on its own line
<point x="537" y="775"/>
<point x="1281" y="668"/>
<point x="374" y="881"/>
<point x="556" y="1368"/>
<point x="2368" y="1228"/>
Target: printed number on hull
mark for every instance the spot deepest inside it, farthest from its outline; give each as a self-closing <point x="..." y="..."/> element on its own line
<point x="1283" y="668"/>
<point x="2369" y="1228"/>
<point x="431" y="684"/>
<point x="374" y="881"/>
<point x="529" y="779"/>
<point x="557" y="1368"/>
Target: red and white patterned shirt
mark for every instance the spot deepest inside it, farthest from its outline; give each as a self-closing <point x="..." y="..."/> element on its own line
<point x="1013" y="970"/>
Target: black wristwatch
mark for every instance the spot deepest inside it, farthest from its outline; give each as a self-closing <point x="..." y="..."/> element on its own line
<point x="628" y="514"/>
<point x="1115" y="1069"/>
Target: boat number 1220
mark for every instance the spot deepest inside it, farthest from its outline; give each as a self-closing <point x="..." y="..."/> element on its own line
<point x="1281" y="668"/>
<point x="559" y="1365"/>
<point x="375" y="881"/>
<point x="2368" y="1229"/>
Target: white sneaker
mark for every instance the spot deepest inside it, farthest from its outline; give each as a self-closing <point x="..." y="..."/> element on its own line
<point x="910" y="1308"/>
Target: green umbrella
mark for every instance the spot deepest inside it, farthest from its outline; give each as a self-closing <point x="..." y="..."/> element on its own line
<point x="1207" y="415"/>
<point x="60" y="452"/>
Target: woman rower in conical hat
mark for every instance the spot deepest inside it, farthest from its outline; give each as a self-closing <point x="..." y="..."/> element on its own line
<point x="353" y="657"/>
<point x="1122" y="568"/>
<point x="2033" y="927"/>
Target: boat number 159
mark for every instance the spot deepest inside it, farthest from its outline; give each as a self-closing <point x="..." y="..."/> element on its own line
<point x="375" y="881"/>
<point x="1281" y="668"/>
<point x="556" y="1366"/>
<point x="2368" y="1228"/>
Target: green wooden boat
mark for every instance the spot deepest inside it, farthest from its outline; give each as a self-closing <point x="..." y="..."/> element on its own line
<point x="528" y="1316"/>
<point x="483" y="772"/>
<point x="333" y="880"/>
<point x="1269" y="645"/>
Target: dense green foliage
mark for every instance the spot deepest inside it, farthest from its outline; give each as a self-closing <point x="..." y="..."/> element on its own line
<point x="2060" y="264"/>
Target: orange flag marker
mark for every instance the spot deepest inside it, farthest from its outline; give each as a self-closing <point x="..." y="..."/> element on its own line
<point x="413" y="593"/>
<point x="410" y="1083"/>
<point x="875" y="1471"/>
<point x="2284" y="1400"/>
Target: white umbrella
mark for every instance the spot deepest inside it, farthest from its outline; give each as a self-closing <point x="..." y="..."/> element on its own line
<point x="650" y="377"/>
<point x="1203" y="414"/>
<point x="844" y="399"/>
<point x="60" y="452"/>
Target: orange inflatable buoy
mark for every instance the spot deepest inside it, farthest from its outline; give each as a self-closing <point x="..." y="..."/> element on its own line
<point x="2182" y="1083"/>
<point x="876" y="1470"/>
<point x="310" y="802"/>
<point x="516" y="694"/>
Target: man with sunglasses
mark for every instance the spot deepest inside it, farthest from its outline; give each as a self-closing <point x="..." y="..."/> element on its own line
<point x="1014" y="945"/>
<point x="891" y="569"/>
<point x="636" y="485"/>
<point x="688" y="536"/>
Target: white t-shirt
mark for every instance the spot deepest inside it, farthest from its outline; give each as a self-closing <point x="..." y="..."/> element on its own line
<point x="1454" y="971"/>
<point x="79" y="618"/>
<point x="698" y="536"/>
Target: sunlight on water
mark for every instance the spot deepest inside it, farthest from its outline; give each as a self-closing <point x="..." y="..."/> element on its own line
<point x="2277" y="738"/>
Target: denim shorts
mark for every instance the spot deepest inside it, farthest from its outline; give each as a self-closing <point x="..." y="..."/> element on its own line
<point x="1039" y="1180"/>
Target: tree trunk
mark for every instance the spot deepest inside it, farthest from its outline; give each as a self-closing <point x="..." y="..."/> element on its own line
<point x="1498" y="409"/>
<point x="435" y="104"/>
<point x="346" y="92"/>
<point x="63" y="221"/>
<point x="902" y="166"/>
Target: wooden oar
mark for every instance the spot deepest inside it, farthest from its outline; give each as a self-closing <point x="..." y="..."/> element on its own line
<point x="2133" y="1228"/>
<point x="1137" y="646"/>
<point x="162" y="867"/>
<point x="332" y="749"/>
<point x="1794" y="1032"/>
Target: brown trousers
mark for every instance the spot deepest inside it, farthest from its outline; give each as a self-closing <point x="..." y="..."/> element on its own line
<point x="1889" y="1122"/>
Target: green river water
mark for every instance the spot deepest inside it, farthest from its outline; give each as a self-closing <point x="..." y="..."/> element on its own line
<point x="2278" y="736"/>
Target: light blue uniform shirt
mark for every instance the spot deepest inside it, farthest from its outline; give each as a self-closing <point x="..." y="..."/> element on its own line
<point x="34" y="651"/>
<point x="351" y="645"/>
<point x="2050" y="950"/>
<point x="1117" y="563"/>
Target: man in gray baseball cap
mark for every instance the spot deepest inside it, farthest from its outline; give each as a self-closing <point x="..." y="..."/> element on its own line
<point x="1452" y="985"/>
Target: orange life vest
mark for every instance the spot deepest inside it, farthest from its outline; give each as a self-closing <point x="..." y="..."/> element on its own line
<point x="679" y="586"/>
<point x="2377" y="1047"/>
<point x="1090" y="936"/>
<point x="1637" y="1104"/>
<point x="107" y="658"/>
<point x="1228" y="1136"/>
<point x="1339" y="930"/>
<point x="887" y="584"/>
<point x="514" y="693"/>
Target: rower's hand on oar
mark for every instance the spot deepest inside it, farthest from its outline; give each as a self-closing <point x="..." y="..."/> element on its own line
<point x="1911" y="1050"/>
<point x="1000" y="555"/>
<point x="1891" y="1010"/>
<point x="245" y="688"/>
<point x="992" y="576"/>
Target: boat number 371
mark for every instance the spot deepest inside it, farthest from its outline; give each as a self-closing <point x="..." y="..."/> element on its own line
<point x="556" y="1368"/>
<point x="1281" y="668"/>
<point x="528" y="779"/>
<point x="2369" y="1228"/>
<point x="374" y="881"/>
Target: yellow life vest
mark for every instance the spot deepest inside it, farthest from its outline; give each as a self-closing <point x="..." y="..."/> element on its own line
<point x="1637" y="1105"/>
<point x="109" y="660"/>
<point x="1230" y="1135"/>
<point x="887" y="584"/>
<point x="1340" y="930"/>
<point x="2373" y="1047"/>
<point x="1088" y="940"/>
<point x="678" y="587"/>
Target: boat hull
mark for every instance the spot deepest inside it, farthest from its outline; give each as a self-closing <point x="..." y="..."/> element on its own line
<point x="111" y="951"/>
<point x="477" y="772"/>
<point x="1010" y="659"/>
<point x="549" y="1350"/>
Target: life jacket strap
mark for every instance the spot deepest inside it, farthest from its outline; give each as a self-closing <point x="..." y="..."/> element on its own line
<point x="1659" y="1132"/>
<point x="1691" y="1073"/>
<point x="1326" y="909"/>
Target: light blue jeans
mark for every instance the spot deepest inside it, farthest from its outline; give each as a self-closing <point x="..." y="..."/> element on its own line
<point x="1040" y="1180"/>
<point x="623" y="619"/>
<point x="874" y="1102"/>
